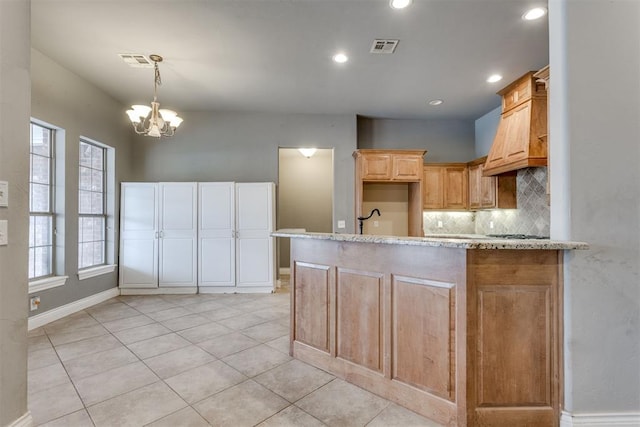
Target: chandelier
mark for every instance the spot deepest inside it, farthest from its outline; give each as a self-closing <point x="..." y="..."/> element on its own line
<point x="153" y="121"/>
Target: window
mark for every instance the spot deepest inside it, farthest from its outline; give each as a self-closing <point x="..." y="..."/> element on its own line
<point x="41" y="202"/>
<point x="92" y="206"/>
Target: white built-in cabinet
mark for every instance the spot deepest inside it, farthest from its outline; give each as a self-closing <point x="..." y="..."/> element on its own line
<point x="158" y="235"/>
<point x="235" y="247"/>
<point x="207" y="237"/>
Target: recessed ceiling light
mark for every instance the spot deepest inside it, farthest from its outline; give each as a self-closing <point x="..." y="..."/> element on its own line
<point x="436" y="102"/>
<point x="340" y="58"/>
<point x="535" y="13"/>
<point x="399" y="4"/>
<point x="494" y="78"/>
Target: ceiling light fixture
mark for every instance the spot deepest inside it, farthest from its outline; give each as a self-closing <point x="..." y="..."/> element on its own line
<point x="307" y="152"/>
<point x="436" y="102"/>
<point x="152" y="121"/>
<point x="399" y="4"/>
<point x="535" y="13"/>
<point x="494" y="78"/>
<point x="340" y="58"/>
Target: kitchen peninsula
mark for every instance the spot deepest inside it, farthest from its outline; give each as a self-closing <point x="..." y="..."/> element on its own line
<point x="465" y="331"/>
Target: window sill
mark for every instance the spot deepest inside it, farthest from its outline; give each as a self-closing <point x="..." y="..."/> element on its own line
<point x="96" y="271"/>
<point x="47" y="283"/>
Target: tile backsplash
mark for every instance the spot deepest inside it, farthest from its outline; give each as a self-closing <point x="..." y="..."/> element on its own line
<point x="531" y="217"/>
<point x="452" y="222"/>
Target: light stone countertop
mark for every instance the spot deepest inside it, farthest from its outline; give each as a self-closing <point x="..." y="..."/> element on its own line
<point x="464" y="241"/>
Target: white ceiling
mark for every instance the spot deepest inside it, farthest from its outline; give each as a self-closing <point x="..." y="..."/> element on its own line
<point x="275" y="55"/>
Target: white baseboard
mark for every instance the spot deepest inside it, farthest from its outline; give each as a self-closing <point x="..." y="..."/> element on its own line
<point x="607" y="419"/>
<point x="235" y="290"/>
<point x="160" y="291"/>
<point x="285" y="270"/>
<point x="73" y="307"/>
<point x="23" y="421"/>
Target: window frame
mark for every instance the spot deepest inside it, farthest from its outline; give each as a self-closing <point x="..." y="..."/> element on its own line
<point x="51" y="212"/>
<point x="98" y="268"/>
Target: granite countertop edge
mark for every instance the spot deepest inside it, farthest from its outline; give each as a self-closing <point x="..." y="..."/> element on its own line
<point x="480" y="242"/>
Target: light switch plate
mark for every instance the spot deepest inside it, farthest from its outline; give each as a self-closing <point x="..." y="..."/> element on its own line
<point x="341" y="224"/>
<point x="4" y="194"/>
<point x="4" y="238"/>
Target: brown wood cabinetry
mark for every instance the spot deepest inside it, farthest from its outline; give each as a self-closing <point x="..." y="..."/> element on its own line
<point x="490" y="192"/>
<point x="466" y="337"/>
<point x="520" y="139"/>
<point x="392" y="166"/>
<point x="378" y="165"/>
<point x="444" y="186"/>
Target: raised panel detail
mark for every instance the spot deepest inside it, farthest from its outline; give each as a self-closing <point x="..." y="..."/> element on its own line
<point x="359" y="316"/>
<point x="513" y="349"/>
<point x="424" y="334"/>
<point x="377" y="167"/>
<point x="311" y="301"/>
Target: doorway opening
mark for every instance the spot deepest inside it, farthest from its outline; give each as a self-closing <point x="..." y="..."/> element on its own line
<point x="305" y="195"/>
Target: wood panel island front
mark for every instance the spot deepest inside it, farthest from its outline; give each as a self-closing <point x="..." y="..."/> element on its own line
<point x="465" y="331"/>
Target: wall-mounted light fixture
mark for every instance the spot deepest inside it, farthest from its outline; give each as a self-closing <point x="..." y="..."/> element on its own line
<point x="307" y="152"/>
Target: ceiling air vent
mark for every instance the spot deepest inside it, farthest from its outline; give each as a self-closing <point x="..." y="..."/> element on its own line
<point x="384" y="46"/>
<point x="136" y="60"/>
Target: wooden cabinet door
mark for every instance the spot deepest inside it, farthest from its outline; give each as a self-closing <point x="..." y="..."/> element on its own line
<point x="178" y="219"/>
<point x="255" y="221"/>
<point x="377" y="167"/>
<point x="139" y="235"/>
<point x="488" y="192"/>
<point x="216" y="234"/>
<point x="456" y="183"/>
<point x="433" y="187"/>
<point x="475" y="175"/>
<point x="406" y="168"/>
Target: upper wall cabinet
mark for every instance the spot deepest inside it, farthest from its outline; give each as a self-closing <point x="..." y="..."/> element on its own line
<point x="521" y="138"/>
<point x="445" y="186"/>
<point x="489" y="192"/>
<point x="389" y="165"/>
<point x="392" y="166"/>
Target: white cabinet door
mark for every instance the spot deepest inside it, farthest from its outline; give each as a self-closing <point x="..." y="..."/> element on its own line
<point x="255" y="221"/>
<point x="178" y="230"/>
<point x="216" y="239"/>
<point x="138" y="235"/>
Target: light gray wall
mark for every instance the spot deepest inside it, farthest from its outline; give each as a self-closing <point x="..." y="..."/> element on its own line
<point x="485" y="131"/>
<point x="243" y="147"/>
<point x="595" y="190"/>
<point x="64" y="100"/>
<point x="305" y="194"/>
<point x="444" y="140"/>
<point x="14" y="168"/>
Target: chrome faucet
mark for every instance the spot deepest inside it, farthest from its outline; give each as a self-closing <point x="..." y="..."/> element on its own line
<point x="361" y="219"/>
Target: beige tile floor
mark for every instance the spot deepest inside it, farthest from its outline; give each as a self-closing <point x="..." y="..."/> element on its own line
<point x="190" y="360"/>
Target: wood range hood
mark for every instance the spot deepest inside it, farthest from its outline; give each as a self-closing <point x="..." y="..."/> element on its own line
<point x="521" y="138"/>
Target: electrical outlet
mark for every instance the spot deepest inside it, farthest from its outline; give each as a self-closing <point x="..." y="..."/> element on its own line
<point x="440" y="224"/>
<point x="491" y="225"/>
<point x="342" y="224"/>
<point x="4" y="194"/>
<point x="34" y="303"/>
<point x="376" y="224"/>
<point x="4" y="237"/>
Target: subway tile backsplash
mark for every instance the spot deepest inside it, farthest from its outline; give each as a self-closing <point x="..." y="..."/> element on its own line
<point x="531" y="217"/>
